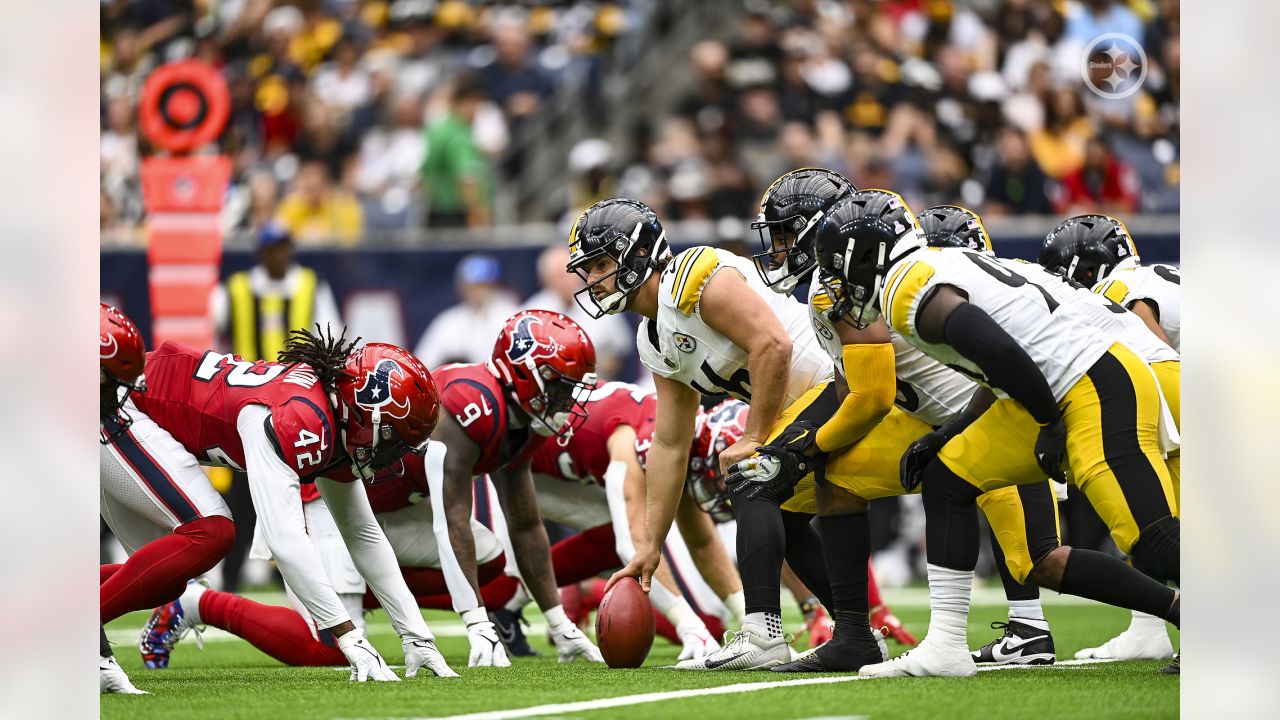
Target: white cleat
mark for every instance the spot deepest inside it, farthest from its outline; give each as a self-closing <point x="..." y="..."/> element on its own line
<point x="112" y="678"/>
<point x="1138" y="642"/>
<point x="929" y="659"/>
<point x="743" y="651"/>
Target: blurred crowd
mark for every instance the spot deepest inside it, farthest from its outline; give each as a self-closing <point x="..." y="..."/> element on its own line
<point x="357" y="115"/>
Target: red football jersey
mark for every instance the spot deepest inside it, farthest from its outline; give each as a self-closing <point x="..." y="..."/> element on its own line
<point x="474" y="397"/>
<point x="587" y="455"/>
<point x="196" y="396"/>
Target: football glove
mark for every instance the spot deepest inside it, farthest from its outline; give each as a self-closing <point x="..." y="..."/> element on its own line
<point x="571" y="644"/>
<point x="420" y="653"/>
<point x="771" y="474"/>
<point x="697" y="641"/>
<point x="486" y="648"/>
<point x="917" y="457"/>
<point x="1051" y="450"/>
<point x="366" y="663"/>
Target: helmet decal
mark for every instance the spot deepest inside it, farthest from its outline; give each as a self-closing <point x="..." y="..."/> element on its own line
<point x="107" y="347"/>
<point x="524" y="346"/>
<point x="375" y="393"/>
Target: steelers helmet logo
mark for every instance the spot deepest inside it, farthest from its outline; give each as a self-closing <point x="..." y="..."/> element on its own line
<point x="1114" y="66"/>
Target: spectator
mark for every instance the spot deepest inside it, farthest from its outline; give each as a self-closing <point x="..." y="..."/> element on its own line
<point x="1089" y="19"/>
<point x="1017" y="185"/>
<point x="465" y="332"/>
<point x="612" y="335"/>
<point x="119" y="159"/>
<point x="1103" y="185"/>
<point x="317" y="212"/>
<point x="514" y="81"/>
<point x="455" y="173"/>
<point x="341" y="82"/>
<point x="1059" y="146"/>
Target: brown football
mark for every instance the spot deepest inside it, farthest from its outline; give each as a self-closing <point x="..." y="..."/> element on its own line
<point x="625" y="625"/>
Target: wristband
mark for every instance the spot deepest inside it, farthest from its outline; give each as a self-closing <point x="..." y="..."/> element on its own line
<point x="475" y="615"/>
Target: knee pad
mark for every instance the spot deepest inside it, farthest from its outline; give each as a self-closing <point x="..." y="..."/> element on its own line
<point x="947" y="485"/>
<point x="1157" y="551"/>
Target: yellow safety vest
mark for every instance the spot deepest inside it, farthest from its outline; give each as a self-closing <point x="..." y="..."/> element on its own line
<point x="260" y="324"/>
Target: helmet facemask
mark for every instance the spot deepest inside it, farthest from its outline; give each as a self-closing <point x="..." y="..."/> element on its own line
<point x="634" y="264"/>
<point x="376" y="450"/>
<point x="560" y="409"/>
<point x="113" y="394"/>
<point x="857" y="274"/>
<point x="791" y="238"/>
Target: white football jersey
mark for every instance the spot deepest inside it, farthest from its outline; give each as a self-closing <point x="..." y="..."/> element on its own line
<point x="1160" y="285"/>
<point x="927" y="390"/>
<point x="1128" y="328"/>
<point x="680" y="346"/>
<point x="1060" y="338"/>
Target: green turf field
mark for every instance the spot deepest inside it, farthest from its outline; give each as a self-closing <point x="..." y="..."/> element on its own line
<point x="230" y="679"/>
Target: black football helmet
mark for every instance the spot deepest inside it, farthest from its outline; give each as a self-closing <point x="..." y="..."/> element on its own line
<point x="790" y="211"/>
<point x="626" y="231"/>
<point x="1086" y="248"/>
<point x="955" y="226"/>
<point x="856" y="243"/>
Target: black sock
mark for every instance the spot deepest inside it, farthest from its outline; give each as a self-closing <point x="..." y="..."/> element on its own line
<point x="1101" y="577"/>
<point x="951" y="518"/>
<point x="1012" y="590"/>
<point x="761" y="546"/>
<point x="805" y="555"/>
<point x="104" y="649"/>
<point x="846" y="540"/>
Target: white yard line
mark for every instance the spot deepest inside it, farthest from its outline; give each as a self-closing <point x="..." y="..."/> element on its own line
<point x="643" y="698"/>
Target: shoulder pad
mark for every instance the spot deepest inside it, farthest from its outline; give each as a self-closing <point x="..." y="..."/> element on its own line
<point x="693" y="268"/>
<point x="303" y="434"/>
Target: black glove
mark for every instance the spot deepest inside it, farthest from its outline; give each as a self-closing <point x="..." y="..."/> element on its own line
<point x="1051" y="450"/>
<point x="918" y="456"/>
<point x="800" y="437"/>
<point x="771" y="474"/>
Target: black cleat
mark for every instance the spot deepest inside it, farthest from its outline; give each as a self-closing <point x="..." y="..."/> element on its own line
<point x="1021" y="644"/>
<point x="508" y="623"/>
<point x="864" y="647"/>
<point x="1173" y="668"/>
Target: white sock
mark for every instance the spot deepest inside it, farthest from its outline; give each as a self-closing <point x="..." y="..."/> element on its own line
<point x="517" y="601"/>
<point x="949" y="592"/>
<point x="764" y="623"/>
<point x="1147" y="624"/>
<point x="1028" y="612"/>
<point x="190" y="601"/>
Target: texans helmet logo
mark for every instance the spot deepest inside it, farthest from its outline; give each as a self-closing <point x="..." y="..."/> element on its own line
<point x="107" y="347"/>
<point x="376" y="391"/>
<point x="524" y="346"/>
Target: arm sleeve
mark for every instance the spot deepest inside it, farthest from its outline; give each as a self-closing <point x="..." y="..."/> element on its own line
<point x="464" y="598"/>
<point x="872" y="387"/>
<point x="373" y="555"/>
<point x="977" y="337"/>
<point x="278" y="503"/>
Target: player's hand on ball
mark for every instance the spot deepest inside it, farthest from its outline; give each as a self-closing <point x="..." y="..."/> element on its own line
<point x="697" y="641"/>
<point x="486" y="649"/>
<point x="571" y="644"/>
<point x="366" y="663"/>
<point x="642" y="567"/>
<point x="422" y="653"/>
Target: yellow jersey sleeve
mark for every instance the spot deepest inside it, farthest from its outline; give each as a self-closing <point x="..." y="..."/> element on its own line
<point x="902" y="291"/>
<point x="1114" y="290"/>
<point x="694" y="268"/>
<point x="821" y="302"/>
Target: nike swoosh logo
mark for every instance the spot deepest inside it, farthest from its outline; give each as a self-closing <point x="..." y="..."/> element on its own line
<point x="713" y="664"/>
<point x="1012" y="645"/>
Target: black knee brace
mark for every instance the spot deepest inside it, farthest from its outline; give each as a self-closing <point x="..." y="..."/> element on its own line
<point x="1157" y="552"/>
<point x="951" y="518"/>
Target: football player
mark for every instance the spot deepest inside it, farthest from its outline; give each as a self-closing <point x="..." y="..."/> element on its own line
<point x="1062" y="376"/>
<point x="324" y="404"/>
<point x="497" y="414"/>
<point x="707" y="332"/>
<point x="120" y="359"/>
<point x="1098" y="251"/>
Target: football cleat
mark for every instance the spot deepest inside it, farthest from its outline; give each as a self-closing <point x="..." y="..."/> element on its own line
<point x="1021" y="644"/>
<point x="1173" y="668"/>
<point x="842" y="654"/>
<point x="883" y="619"/>
<point x="1142" y="640"/>
<point x="928" y="659"/>
<point x="744" y="651"/>
<point x="169" y="624"/>
<point x="510" y="632"/>
<point x="112" y="678"/>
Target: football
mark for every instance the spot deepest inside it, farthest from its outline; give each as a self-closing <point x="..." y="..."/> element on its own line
<point x="625" y="625"/>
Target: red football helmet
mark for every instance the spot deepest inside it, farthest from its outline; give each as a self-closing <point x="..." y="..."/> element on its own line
<point x="714" y="430"/>
<point x="547" y="363"/>
<point x="121" y="355"/>
<point x="388" y="405"/>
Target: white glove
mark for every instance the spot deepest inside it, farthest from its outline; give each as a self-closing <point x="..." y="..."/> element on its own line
<point x="486" y="648"/>
<point x="365" y="661"/>
<point x="697" y="641"/>
<point x="420" y="653"/>
<point x="570" y="643"/>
